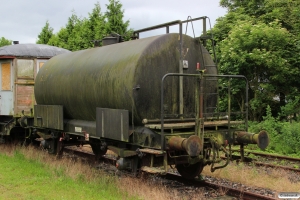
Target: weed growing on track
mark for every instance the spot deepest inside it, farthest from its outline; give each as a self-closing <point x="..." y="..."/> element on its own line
<point x="274" y="179"/>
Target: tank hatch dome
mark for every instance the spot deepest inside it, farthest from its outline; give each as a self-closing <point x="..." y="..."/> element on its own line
<point x="113" y="38"/>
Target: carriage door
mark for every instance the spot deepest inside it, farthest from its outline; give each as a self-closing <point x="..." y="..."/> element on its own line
<point x="6" y="92"/>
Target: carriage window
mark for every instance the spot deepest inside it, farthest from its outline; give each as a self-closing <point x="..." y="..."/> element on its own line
<point x="25" y="68"/>
<point x="6" y="76"/>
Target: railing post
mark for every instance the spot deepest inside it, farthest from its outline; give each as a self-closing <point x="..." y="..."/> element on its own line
<point x="180" y="71"/>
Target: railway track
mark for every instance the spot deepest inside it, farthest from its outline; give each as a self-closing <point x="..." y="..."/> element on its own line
<point x="233" y="192"/>
<point x="273" y="156"/>
<point x="268" y="160"/>
<point x="238" y="192"/>
<point x="246" y="195"/>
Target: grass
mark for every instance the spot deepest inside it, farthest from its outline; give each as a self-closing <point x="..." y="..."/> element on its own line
<point x="30" y="174"/>
<point x="274" y="179"/>
<point x="24" y="178"/>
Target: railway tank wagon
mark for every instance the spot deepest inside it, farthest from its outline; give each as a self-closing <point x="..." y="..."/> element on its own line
<point x="105" y="77"/>
<point x="152" y="101"/>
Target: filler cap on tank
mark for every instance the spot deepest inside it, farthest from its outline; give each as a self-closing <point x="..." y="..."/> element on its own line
<point x="113" y="38"/>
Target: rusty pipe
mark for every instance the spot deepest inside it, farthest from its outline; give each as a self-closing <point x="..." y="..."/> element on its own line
<point x="261" y="138"/>
<point x="192" y="145"/>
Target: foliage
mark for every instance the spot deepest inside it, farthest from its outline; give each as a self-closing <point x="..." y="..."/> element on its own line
<point x="260" y="39"/>
<point x="81" y="33"/>
<point x="258" y="52"/>
<point x="46" y="34"/>
<point x="290" y="109"/>
<point x="96" y="23"/>
<point x="4" y="42"/>
<point x="114" y="19"/>
<point x="284" y="136"/>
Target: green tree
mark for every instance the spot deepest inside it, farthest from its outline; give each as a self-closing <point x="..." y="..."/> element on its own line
<point x="80" y="33"/>
<point x="251" y="7"/>
<point x="96" y="23"/>
<point x="60" y="39"/>
<point x="4" y="42"/>
<point x="114" y="19"/>
<point x="65" y="37"/>
<point x="258" y="52"/>
<point x="286" y="11"/>
<point x="45" y="35"/>
<point x="73" y="38"/>
<point x="260" y="39"/>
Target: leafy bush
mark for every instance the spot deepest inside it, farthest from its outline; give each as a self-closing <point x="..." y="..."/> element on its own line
<point x="284" y="136"/>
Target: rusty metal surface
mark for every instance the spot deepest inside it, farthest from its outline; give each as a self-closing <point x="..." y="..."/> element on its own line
<point x="261" y="138"/>
<point x="192" y="145"/>
<point x="31" y="50"/>
<point x="176" y="143"/>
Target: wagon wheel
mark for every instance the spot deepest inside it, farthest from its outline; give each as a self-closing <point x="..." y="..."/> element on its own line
<point x="52" y="146"/>
<point x="189" y="171"/>
<point x="97" y="150"/>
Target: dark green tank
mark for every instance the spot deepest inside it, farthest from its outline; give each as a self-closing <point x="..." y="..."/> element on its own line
<point x="105" y="77"/>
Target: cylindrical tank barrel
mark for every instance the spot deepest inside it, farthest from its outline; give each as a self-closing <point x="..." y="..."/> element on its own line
<point x="108" y="76"/>
<point x="261" y="138"/>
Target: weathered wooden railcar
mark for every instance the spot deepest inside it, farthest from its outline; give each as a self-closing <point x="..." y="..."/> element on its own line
<point x="19" y="65"/>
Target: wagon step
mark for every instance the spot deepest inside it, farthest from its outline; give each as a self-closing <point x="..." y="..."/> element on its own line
<point x="153" y="170"/>
<point x="152" y="151"/>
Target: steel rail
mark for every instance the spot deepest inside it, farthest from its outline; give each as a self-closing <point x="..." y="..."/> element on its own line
<point x="257" y="163"/>
<point x="274" y="156"/>
<point x="234" y="192"/>
<point x="269" y="155"/>
<point x="276" y="166"/>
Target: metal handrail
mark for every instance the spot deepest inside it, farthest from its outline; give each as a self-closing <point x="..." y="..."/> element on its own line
<point x="199" y="76"/>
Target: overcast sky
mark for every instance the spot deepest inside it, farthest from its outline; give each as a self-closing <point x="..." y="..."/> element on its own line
<point x="23" y="20"/>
